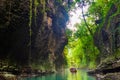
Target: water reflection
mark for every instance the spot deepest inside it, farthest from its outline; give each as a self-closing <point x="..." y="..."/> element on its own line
<point x="80" y="75"/>
<point x="64" y="75"/>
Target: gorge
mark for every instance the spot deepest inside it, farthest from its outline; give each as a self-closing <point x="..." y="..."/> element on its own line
<point x="34" y="37"/>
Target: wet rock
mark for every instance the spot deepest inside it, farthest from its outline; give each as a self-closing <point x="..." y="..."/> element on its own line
<point x="110" y="76"/>
<point x="7" y="76"/>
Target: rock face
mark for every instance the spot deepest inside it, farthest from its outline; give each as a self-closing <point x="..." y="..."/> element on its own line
<point x="50" y="38"/>
<point x="33" y="32"/>
<point x="107" y="39"/>
<point x="14" y="31"/>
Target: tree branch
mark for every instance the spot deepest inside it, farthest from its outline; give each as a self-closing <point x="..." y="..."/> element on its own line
<point x="85" y="19"/>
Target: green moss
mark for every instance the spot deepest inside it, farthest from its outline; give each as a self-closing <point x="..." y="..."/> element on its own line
<point x="109" y="59"/>
<point x="113" y="15"/>
<point x="117" y="53"/>
<point x="113" y="57"/>
<point x="59" y="1"/>
<point x="46" y="65"/>
<point x="108" y="79"/>
<point x="30" y="14"/>
<point x="44" y="7"/>
<point x="47" y="9"/>
<point x="36" y="3"/>
<point x="30" y="32"/>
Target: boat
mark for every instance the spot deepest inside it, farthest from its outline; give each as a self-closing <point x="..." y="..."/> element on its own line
<point x="73" y="70"/>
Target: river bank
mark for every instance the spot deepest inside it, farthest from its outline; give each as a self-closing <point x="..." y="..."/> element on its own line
<point x="10" y="73"/>
<point x="107" y="70"/>
<point x="10" y="76"/>
<point x="7" y="76"/>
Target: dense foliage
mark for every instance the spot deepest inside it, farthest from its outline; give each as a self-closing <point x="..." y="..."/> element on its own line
<point x="81" y="50"/>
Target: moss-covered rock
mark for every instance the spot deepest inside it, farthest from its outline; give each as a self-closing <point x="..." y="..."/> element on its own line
<point x="107" y="39"/>
<point x="32" y="33"/>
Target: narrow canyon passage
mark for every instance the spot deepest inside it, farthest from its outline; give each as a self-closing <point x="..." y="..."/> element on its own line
<point x="59" y="39"/>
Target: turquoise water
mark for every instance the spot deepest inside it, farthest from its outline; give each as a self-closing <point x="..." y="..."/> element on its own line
<point x="64" y="75"/>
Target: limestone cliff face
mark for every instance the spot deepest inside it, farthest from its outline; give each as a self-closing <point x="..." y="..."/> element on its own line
<point x="14" y="31"/>
<point x="33" y="31"/>
<point x="50" y="37"/>
<point x="107" y="39"/>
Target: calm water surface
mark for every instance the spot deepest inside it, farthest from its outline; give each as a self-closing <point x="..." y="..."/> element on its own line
<point x="65" y="75"/>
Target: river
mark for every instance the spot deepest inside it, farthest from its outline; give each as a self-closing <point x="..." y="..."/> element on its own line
<point x="64" y="75"/>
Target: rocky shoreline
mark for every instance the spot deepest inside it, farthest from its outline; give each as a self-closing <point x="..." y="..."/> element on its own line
<point x="7" y="76"/>
<point x="10" y="76"/>
<point x="14" y="74"/>
<point x="107" y="71"/>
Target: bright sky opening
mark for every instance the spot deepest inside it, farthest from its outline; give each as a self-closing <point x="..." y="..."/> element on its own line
<point x="75" y="16"/>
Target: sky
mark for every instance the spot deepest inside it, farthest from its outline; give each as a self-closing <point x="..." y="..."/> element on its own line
<point x="75" y="16"/>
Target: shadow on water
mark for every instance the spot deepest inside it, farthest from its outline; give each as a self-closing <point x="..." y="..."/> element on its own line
<point x="64" y="75"/>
